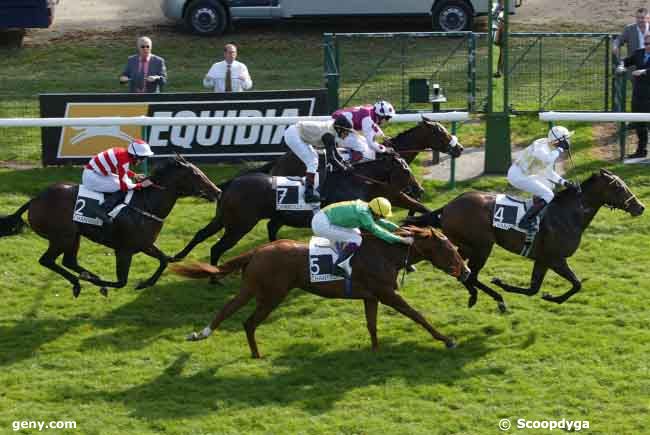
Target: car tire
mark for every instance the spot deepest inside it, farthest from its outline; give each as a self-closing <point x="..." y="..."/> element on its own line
<point x="452" y="16"/>
<point x="12" y="38"/>
<point x="206" y="18"/>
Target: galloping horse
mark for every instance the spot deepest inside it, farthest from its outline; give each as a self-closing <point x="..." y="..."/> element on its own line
<point x="136" y="230"/>
<point x="467" y="221"/>
<point x="272" y="270"/>
<point x="250" y="198"/>
<point x="426" y="134"/>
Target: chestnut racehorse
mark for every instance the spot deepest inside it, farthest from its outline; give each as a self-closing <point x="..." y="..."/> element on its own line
<point x="270" y="271"/>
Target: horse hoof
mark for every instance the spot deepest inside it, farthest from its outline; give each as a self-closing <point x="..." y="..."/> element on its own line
<point x="142" y="285"/>
<point x="193" y="337"/>
<point x="451" y="344"/>
<point x="502" y="307"/>
<point x="76" y="290"/>
<point x="103" y="291"/>
<point x="496" y="281"/>
<point x="471" y="302"/>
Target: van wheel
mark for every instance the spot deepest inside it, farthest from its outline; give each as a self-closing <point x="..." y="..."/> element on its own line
<point x="206" y="17"/>
<point x="452" y="16"/>
<point x="12" y="38"/>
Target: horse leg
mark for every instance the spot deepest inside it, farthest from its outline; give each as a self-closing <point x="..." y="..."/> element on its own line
<point x="155" y="252"/>
<point x="122" y="267"/>
<point x="228" y="240"/>
<point x="272" y="228"/>
<point x="395" y="301"/>
<point x="477" y="259"/>
<point x="48" y="259"/>
<point x="209" y="230"/>
<point x="536" y="279"/>
<point x="70" y="261"/>
<point x="228" y="310"/>
<point x="562" y="268"/>
<point x="265" y="305"/>
<point x="370" y="307"/>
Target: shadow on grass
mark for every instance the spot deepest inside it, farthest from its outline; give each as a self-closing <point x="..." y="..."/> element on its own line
<point x="304" y="377"/>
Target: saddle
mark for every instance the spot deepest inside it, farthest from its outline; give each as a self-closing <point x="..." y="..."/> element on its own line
<point x="90" y="208"/>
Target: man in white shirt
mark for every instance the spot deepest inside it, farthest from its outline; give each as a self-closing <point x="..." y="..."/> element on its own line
<point x="229" y="75"/>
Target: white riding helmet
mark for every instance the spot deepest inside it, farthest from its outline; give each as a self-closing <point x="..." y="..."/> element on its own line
<point x="140" y="149"/>
<point x="558" y="134"/>
<point x="384" y="109"/>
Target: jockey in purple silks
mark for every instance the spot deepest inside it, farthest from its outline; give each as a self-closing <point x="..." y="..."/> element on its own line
<point x="366" y="121"/>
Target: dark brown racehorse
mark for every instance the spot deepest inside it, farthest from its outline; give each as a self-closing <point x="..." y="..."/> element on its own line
<point x="427" y="134"/>
<point x="272" y="270"/>
<point x="135" y="229"/>
<point x="467" y="221"/>
<point x="251" y="198"/>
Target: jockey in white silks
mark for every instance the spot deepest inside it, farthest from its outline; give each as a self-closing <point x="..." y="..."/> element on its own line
<point x="366" y="121"/>
<point x="304" y="136"/>
<point x="534" y="171"/>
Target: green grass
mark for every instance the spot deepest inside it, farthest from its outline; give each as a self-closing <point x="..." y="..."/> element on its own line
<point x="121" y="365"/>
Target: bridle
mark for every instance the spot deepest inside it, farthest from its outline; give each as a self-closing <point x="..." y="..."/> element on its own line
<point x="619" y="183"/>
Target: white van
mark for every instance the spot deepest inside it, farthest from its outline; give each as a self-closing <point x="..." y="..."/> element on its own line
<point x="212" y="17"/>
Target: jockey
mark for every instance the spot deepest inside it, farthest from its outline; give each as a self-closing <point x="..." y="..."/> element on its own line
<point x="303" y="136"/>
<point x="109" y="172"/>
<point x="534" y="171"/>
<point x="340" y="222"/>
<point x="367" y="120"/>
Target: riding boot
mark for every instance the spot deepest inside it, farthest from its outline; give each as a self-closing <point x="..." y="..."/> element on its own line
<point x="111" y="200"/>
<point x="311" y="194"/>
<point x="527" y="221"/>
<point x="343" y="267"/>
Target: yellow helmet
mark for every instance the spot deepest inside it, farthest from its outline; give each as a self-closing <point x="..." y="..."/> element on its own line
<point x="381" y="206"/>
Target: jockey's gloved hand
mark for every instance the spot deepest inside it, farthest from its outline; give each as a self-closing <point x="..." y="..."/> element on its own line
<point x="570" y="185"/>
<point x="408" y="240"/>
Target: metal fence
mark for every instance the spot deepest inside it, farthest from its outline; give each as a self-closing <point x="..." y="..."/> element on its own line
<point x="548" y="71"/>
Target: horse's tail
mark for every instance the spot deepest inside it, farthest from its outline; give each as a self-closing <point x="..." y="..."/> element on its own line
<point x="432" y="219"/>
<point x="264" y="169"/>
<point x="13" y="224"/>
<point x="204" y="270"/>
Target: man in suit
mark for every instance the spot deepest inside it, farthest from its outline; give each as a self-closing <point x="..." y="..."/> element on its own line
<point x="639" y="64"/>
<point x="144" y="72"/>
<point x="633" y="34"/>
<point x="229" y="75"/>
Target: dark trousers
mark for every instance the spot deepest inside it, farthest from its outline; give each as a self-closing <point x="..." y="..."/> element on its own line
<point x="641" y="105"/>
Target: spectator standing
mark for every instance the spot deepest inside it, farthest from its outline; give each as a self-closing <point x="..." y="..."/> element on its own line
<point x="633" y="34"/>
<point x="640" y="61"/>
<point x="144" y="72"/>
<point x="229" y="75"/>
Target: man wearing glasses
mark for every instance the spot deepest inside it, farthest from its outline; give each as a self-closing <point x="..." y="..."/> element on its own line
<point x="144" y="72"/>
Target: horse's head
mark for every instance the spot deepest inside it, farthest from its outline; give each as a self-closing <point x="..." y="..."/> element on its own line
<point x="185" y="179"/>
<point x="440" y="139"/>
<point x="613" y="192"/>
<point x="401" y="177"/>
<point x="434" y="246"/>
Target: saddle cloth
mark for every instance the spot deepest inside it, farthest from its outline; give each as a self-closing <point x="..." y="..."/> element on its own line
<point x="89" y="203"/>
<point x="509" y="210"/>
<point x="290" y="194"/>
<point x="368" y="155"/>
<point x="323" y="255"/>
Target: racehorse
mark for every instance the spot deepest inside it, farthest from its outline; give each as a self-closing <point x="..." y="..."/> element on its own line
<point x="272" y="270"/>
<point x="427" y="134"/>
<point x="250" y="198"/>
<point x="133" y="231"/>
<point x="467" y="221"/>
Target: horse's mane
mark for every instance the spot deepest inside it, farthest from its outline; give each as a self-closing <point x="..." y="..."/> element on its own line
<point x="416" y="232"/>
<point x="163" y="166"/>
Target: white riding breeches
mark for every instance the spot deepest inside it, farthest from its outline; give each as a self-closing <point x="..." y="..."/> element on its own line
<point x="534" y="184"/>
<point x="100" y="183"/>
<point x="357" y="142"/>
<point x="304" y="151"/>
<point x="322" y="227"/>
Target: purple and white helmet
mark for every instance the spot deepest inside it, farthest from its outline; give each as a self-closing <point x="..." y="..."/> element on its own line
<point x="384" y="109"/>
